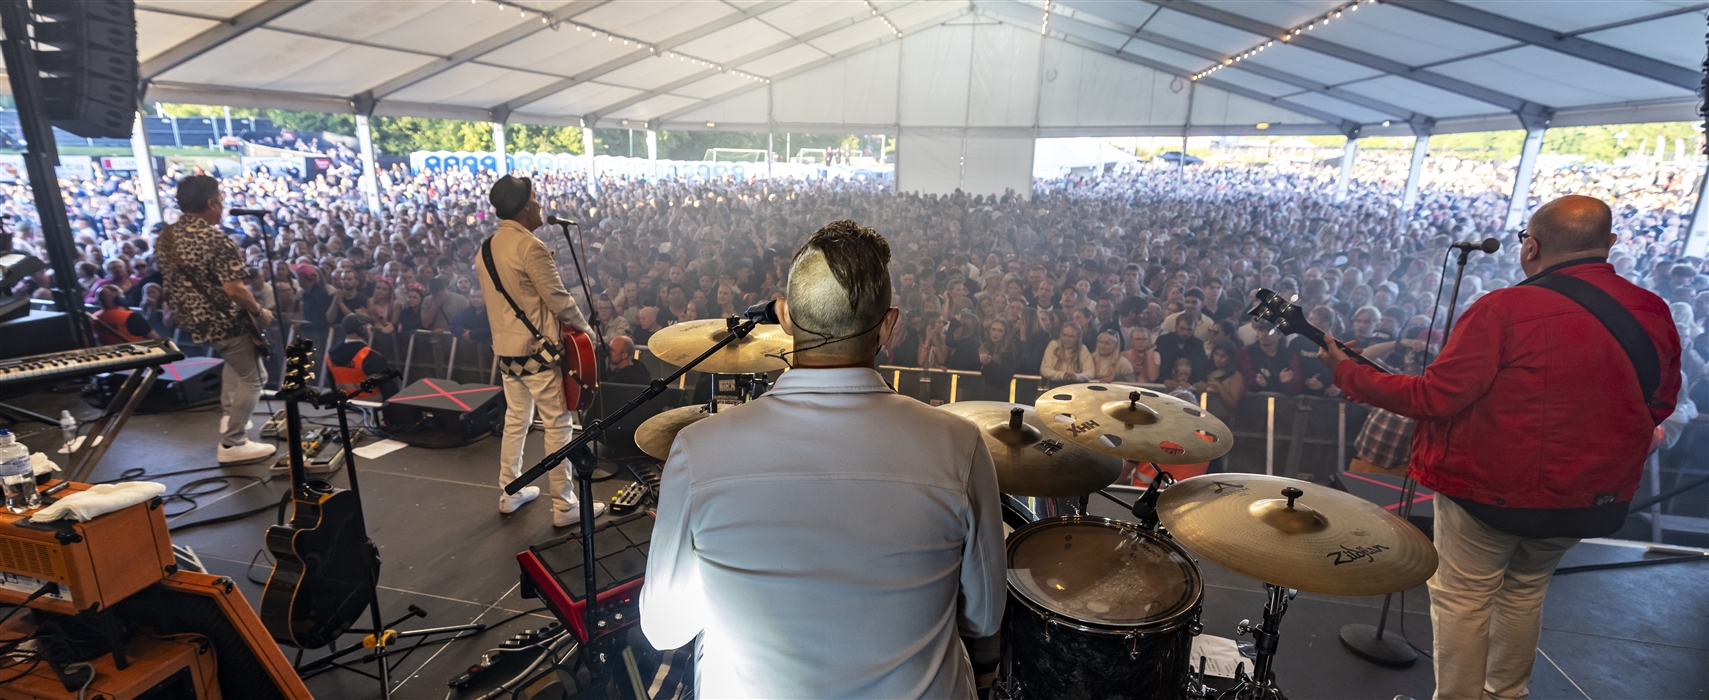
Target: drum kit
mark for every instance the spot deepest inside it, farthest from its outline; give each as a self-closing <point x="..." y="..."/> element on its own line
<point x="1107" y="609"/>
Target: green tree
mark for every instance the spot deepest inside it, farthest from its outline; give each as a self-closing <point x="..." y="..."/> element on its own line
<point x="544" y="139"/>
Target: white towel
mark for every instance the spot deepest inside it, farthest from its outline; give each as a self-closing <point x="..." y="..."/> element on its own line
<point x="99" y="500"/>
<point x="40" y="464"/>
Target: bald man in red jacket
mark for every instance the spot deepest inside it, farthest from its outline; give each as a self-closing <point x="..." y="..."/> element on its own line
<point x="1533" y="430"/>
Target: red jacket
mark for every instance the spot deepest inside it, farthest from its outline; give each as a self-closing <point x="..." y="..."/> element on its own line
<point x="1532" y="404"/>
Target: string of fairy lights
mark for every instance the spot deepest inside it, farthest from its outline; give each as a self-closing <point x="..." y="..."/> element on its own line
<point x="547" y="19"/>
<point x="1044" y="27"/>
<point x="1287" y="35"/>
<point x="882" y="18"/>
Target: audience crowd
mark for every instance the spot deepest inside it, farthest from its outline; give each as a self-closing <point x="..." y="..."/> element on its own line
<point x="1141" y="274"/>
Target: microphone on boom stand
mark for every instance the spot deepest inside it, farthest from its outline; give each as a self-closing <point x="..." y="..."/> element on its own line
<point x="249" y="212"/>
<point x="1487" y="245"/>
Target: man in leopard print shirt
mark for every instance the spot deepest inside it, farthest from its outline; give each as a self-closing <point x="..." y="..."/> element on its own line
<point x="205" y="276"/>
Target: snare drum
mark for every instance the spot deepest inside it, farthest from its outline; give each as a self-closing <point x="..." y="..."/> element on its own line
<point x="1099" y="609"/>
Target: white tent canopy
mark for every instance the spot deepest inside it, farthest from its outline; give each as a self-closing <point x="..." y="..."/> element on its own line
<point x="966" y="84"/>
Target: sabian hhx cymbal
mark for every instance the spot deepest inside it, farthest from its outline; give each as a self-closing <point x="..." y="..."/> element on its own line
<point x="1296" y="534"/>
<point x="762" y="350"/>
<point x="1134" y="423"/>
<point x="656" y="434"/>
<point x="1031" y="461"/>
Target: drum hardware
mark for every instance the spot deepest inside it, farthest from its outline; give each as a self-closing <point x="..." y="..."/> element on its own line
<point x="761" y="349"/>
<point x="1266" y="637"/>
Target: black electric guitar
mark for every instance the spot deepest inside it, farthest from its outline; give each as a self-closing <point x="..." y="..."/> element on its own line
<point x="1289" y="319"/>
<point x="324" y="562"/>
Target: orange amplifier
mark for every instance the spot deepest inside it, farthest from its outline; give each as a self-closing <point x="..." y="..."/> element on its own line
<point x="251" y="666"/>
<point x="97" y="563"/>
<point x="178" y="667"/>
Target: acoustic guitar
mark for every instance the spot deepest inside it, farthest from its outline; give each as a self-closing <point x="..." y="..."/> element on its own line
<point x="1290" y="319"/>
<point x="581" y="369"/>
<point x="324" y="563"/>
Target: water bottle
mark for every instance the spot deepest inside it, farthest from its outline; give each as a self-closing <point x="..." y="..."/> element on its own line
<point x="67" y="430"/>
<point x="16" y="478"/>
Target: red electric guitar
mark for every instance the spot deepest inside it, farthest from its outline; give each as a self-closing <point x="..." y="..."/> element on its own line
<point x="581" y="369"/>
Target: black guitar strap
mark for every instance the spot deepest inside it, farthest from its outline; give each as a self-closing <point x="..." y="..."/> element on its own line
<point x="492" y="272"/>
<point x="1620" y="323"/>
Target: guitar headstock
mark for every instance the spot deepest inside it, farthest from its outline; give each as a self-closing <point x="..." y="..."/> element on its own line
<point x="1285" y="315"/>
<point x="299" y="365"/>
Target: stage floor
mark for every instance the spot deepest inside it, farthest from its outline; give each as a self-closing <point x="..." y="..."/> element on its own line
<point x="1641" y="634"/>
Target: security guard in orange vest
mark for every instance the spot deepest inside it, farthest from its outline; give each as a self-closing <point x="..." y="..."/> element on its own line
<point x="353" y="361"/>
<point x="114" y="323"/>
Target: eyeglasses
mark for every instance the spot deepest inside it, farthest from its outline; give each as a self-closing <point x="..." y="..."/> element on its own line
<point x="1522" y="236"/>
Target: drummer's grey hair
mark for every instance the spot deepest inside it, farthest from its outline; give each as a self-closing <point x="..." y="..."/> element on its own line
<point x="839" y="282"/>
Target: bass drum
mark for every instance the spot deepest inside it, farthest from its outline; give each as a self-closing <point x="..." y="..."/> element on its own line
<point x="1099" y="609"/>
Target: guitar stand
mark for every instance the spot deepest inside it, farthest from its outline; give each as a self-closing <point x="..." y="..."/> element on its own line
<point x="381" y="637"/>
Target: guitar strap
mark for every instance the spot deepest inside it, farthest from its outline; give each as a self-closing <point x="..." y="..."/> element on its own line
<point x="549" y="353"/>
<point x="1619" y="321"/>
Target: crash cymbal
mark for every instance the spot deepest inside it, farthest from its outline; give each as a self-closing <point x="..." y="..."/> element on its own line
<point x="1031" y="461"/>
<point x="1296" y="534"/>
<point x="656" y="434"/>
<point x="1134" y="423"/>
<point x="761" y="351"/>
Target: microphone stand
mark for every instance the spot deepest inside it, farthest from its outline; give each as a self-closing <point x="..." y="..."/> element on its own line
<point x="593" y="319"/>
<point x="582" y="458"/>
<point x="267" y="236"/>
<point x="1369" y="642"/>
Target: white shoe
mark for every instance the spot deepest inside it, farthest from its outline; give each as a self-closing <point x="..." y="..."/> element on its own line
<point x="566" y="518"/>
<point x="508" y="503"/>
<point x="226" y="420"/>
<point x="246" y="452"/>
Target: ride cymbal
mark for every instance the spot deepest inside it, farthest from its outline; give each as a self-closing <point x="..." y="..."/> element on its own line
<point x="1134" y="423"/>
<point x="1296" y="534"/>
<point x="656" y="434"/>
<point x="1030" y="461"/>
<point x="761" y="351"/>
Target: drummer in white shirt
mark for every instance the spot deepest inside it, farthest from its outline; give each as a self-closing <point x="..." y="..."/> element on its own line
<point x="831" y="538"/>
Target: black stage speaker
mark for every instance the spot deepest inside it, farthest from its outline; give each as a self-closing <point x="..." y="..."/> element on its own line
<point x="443" y="413"/>
<point x="35" y="333"/>
<point x="1385" y="491"/>
<point x="620" y="436"/>
<point x="90" y="80"/>
<point x="181" y="384"/>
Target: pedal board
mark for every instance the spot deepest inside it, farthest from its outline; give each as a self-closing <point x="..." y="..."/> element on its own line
<point x="507" y="658"/>
<point x="275" y="425"/>
<point x="323" y="452"/>
<point x="629" y="498"/>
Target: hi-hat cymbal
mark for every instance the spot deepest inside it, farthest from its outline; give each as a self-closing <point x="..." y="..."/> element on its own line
<point x="1134" y="423"/>
<point x="1296" y="534"/>
<point x="656" y="434"/>
<point x="761" y="351"/>
<point x="1030" y="461"/>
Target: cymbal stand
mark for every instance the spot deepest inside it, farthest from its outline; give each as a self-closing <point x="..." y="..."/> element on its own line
<point x="1266" y="637"/>
<point x="582" y="459"/>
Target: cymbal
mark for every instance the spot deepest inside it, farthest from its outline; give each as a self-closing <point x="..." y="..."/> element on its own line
<point x="1031" y="461"/>
<point x="656" y="434"/>
<point x="1326" y="541"/>
<point x="1134" y="423"/>
<point x="680" y="343"/>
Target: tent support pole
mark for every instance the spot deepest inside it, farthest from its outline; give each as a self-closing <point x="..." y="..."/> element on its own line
<point x="1349" y="151"/>
<point x="1420" y="148"/>
<point x="147" y="180"/>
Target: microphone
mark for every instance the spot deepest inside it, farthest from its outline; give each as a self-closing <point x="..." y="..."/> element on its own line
<point x="249" y="212"/>
<point x="763" y="313"/>
<point x="1487" y="245"/>
<point x="559" y="221"/>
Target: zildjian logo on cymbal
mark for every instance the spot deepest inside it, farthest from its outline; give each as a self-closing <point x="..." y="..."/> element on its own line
<point x="1048" y="447"/>
<point x="1223" y="486"/>
<point x="1352" y="554"/>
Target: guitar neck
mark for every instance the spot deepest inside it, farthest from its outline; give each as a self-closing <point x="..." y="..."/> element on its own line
<point x="1317" y="336"/>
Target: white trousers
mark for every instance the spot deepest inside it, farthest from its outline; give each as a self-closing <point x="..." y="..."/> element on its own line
<point x="522" y="395"/>
<point x="1486" y="605"/>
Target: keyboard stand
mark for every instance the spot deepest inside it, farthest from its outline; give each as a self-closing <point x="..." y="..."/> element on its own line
<point x="22" y="415"/>
<point x="101" y="433"/>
